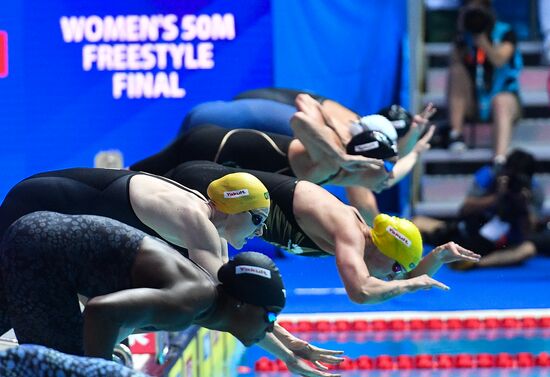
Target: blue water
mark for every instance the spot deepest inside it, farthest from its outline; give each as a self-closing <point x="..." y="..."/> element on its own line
<point x="519" y="287"/>
<point x="372" y="344"/>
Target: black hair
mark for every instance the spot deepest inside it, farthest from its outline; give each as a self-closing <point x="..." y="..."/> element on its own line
<point x="520" y="162"/>
<point x="400" y="118"/>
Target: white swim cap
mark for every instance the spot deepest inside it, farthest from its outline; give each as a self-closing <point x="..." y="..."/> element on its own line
<point x="379" y="123"/>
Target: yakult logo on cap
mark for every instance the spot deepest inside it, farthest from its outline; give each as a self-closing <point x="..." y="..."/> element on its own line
<point x="235" y="193"/>
<point x="404" y="240"/>
<point x="366" y="147"/>
<point x="253" y="270"/>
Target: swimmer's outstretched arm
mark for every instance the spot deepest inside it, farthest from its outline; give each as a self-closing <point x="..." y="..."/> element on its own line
<point x="447" y="253"/>
<point x="404" y="165"/>
<point x="293" y="359"/>
<point x="319" y="140"/>
<point x="418" y="125"/>
<point x="322" y="142"/>
<point x="361" y="287"/>
<point x="307" y="351"/>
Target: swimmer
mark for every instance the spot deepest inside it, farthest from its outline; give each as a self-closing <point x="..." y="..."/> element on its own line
<point x="408" y="127"/>
<point x="257" y="114"/>
<point x="133" y="282"/>
<point x="375" y="263"/>
<point x="232" y="210"/>
<point x="316" y="155"/>
<point x="342" y="120"/>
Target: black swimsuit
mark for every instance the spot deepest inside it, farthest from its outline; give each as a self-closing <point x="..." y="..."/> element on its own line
<point x="46" y="259"/>
<point x="102" y="192"/>
<point x="282" y="228"/>
<point x="237" y="148"/>
<point x="33" y="360"/>
<point x="264" y="151"/>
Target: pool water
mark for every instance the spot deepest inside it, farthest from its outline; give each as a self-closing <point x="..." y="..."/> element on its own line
<point x="451" y="342"/>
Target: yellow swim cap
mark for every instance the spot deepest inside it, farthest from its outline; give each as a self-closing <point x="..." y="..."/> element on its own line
<point x="398" y="239"/>
<point x="238" y="192"/>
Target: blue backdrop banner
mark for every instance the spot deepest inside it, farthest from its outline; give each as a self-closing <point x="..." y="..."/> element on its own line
<point x="349" y="51"/>
<point x="79" y="77"/>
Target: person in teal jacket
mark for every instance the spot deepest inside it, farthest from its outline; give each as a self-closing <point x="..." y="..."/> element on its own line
<point x="484" y="76"/>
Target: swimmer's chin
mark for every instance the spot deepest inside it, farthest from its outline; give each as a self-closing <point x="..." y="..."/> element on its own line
<point x="250" y="342"/>
<point x="239" y="245"/>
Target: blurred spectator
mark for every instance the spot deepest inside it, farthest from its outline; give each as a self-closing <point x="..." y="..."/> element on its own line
<point x="483" y="76"/>
<point x="499" y="212"/>
<point x="544" y="20"/>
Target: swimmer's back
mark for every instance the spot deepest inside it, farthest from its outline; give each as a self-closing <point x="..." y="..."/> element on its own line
<point x="258" y="114"/>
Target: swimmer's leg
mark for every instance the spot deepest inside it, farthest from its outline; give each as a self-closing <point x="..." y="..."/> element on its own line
<point x="5" y="323"/>
<point x="42" y="301"/>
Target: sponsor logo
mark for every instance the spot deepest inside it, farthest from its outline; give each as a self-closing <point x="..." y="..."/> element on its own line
<point x="235" y="193"/>
<point x="404" y="240"/>
<point x="366" y="147"/>
<point x="253" y="270"/>
<point x="266" y="195"/>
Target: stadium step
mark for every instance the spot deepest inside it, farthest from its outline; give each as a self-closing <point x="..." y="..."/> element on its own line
<point x="447" y="176"/>
<point x="442" y="194"/>
<point x="437" y="54"/>
<point x="532" y="80"/>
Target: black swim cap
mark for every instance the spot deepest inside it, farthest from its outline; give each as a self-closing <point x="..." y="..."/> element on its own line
<point x="253" y="278"/>
<point x="399" y="117"/>
<point x="372" y="144"/>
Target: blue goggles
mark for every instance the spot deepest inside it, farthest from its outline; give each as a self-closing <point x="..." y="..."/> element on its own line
<point x="270" y="317"/>
<point x="388" y="166"/>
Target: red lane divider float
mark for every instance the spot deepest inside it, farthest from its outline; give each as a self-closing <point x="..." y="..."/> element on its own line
<point x="417" y="324"/>
<point x="425" y="361"/>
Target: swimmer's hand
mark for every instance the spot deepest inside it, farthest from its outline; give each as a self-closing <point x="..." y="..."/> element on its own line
<point x="452" y="252"/>
<point x="309" y="352"/>
<point x="424" y="282"/>
<point x="301" y="368"/>
<point x="354" y="163"/>
<point x="423" y="144"/>
<point x="418" y="126"/>
<point x="299" y="356"/>
<point x="420" y="121"/>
